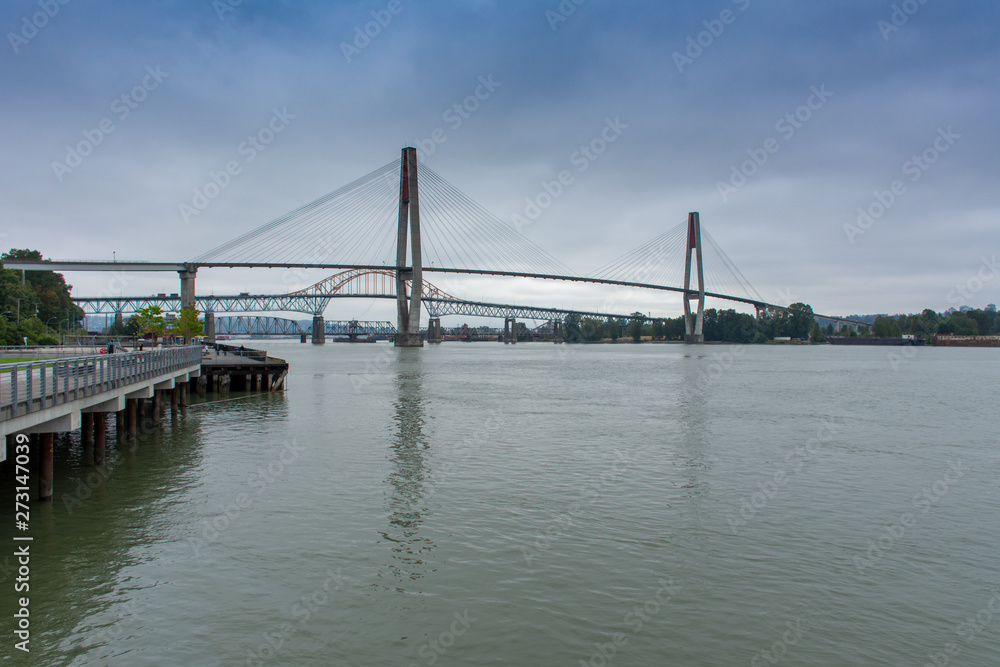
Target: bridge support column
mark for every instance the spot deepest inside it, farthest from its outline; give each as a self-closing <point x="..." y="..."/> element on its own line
<point x="693" y="322"/>
<point x="210" y="328"/>
<point x="510" y="330"/>
<point x="45" y="472"/>
<point x="319" y="330"/>
<point x="557" y="331"/>
<point x="434" y="330"/>
<point x="118" y="321"/>
<point x="408" y="308"/>
<point x="187" y="286"/>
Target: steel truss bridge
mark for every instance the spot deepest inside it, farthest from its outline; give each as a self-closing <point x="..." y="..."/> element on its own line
<point x="277" y="326"/>
<point x="356" y="283"/>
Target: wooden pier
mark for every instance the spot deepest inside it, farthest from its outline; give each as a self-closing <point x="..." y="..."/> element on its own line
<point x="238" y="368"/>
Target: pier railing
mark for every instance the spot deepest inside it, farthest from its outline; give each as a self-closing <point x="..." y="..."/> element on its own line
<point x="241" y="351"/>
<point x="36" y="385"/>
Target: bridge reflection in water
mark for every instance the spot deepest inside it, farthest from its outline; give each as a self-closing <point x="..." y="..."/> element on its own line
<point x="409" y="476"/>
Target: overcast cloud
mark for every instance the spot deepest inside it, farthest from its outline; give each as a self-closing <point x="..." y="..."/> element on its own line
<point x="869" y="84"/>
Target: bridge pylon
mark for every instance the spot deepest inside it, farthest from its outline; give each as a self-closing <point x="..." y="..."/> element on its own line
<point x="693" y="322"/>
<point x="408" y="309"/>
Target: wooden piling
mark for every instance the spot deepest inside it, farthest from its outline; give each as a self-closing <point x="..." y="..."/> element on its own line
<point x="100" y="436"/>
<point x="45" y="471"/>
<point x="87" y="429"/>
<point x="132" y="408"/>
<point x="156" y="406"/>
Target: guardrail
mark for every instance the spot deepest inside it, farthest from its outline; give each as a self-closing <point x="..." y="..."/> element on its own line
<point x="36" y="385"/>
<point x="241" y="351"/>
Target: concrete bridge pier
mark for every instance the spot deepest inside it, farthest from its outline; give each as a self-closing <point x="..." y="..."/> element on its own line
<point x="187" y="286"/>
<point x="557" y="331"/>
<point x="408" y="309"/>
<point x="210" y="328"/>
<point x="510" y="330"/>
<point x="694" y="321"/>
<point x="319" y="330"/>
<point x="434" y="330"/>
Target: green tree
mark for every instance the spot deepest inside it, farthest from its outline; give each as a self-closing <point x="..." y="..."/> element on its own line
<point x="886" y="327"/>
<point x="959" y="324"/>
<point x="800" y="320"/>
<point x="591" y="329"/>
<point x="150" y="320"/>
<point x="187" y="325"/>
<point x="816" y="335"/>
<point x="43" y="291"/>
<point x="658" y="330"/>
<point x="635" y="326"/>
<point x="572" y="333"/>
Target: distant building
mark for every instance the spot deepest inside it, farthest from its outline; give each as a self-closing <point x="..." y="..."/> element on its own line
<point x="992" y="308"/>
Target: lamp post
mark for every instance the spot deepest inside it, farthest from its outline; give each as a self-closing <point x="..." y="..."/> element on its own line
<point x="49" y="320"/>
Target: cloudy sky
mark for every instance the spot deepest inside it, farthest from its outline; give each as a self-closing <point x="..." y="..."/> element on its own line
<point x="780" y="121"/>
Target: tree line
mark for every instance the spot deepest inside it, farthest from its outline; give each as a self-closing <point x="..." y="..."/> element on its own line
<point x="718" y="325"/>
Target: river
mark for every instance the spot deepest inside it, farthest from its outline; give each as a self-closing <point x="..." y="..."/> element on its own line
<point x="539" y="505"/>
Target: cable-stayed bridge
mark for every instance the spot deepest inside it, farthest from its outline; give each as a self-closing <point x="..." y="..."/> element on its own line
<point x="384" y="231"/>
